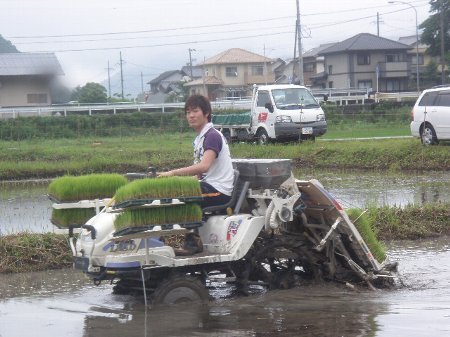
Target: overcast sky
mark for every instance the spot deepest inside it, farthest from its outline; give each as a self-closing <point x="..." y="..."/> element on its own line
<point x="156" y="35"/>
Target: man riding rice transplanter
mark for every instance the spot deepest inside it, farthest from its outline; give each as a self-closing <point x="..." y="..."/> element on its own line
<point x="212" y="161"/>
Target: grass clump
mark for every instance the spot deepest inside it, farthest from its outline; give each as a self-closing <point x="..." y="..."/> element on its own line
<point x="165" y="187"/>
<point x="179" y="214"/>
<point x="91" y="186"/>
<point x="63" y="218"/>
<point x="368" y="233"/>
<point x="33" y="252"/>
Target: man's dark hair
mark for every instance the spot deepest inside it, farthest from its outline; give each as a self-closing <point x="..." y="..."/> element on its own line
<point x="199" y="101"/>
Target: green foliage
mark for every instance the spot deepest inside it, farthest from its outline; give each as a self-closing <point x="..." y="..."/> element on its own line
<point x="93" y="186"/>
<point x="158" y="188"/>
<point x="76" y="126"/>
<point x="63" y="218"/>
<point x="90" y="93"/>
<point x="179" y="214"/>
<point x="367" y="229"/>
<point x="431" y="32"/>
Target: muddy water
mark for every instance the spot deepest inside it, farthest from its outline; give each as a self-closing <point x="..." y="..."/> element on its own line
<point x="25" y="207"/>
<point x="63" y="303"/>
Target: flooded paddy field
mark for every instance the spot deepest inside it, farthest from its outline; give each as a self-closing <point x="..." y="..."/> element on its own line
<point x="25" y="206"/>
<point x="64" y="303"/>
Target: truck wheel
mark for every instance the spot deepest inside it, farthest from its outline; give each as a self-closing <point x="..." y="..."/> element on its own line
<point x="263" y="137"/>
<point x="227" y="135"/>
<point x="180" y="289"/>
<point x="428" y="135"/>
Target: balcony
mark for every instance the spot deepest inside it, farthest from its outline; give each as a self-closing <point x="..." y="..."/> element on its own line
<point x="393" y="69"/>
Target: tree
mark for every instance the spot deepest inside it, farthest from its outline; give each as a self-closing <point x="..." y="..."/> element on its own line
<point x="90" y="93"/>
<point x="431" y="34"/>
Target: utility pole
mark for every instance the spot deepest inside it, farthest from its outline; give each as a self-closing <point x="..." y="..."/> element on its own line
<point x="190" y="61"/>
<point x="441" y="27"/>
<point x="109" y="83"/>
<point x="299" y="38"/>
<point x="121" y="75"/>
<point x="378" y="24"/>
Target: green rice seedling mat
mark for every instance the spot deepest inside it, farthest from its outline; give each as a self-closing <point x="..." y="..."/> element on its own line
<point x="365" y="228"/>
<point x="87" y="187"/>
<point x="76" y="217"/>
<point x="182" y="213"/>
<point x="136" y="203"/>
<point x="159" y="188"/>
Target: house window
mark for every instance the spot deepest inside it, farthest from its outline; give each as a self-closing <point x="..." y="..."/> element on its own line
<point x="391" y="58"/>
<point x="363" y="59"/>
<point x="364" y="84"/>
<point x="330" y="70"/>
<point x="231" y="71"/>
<point x="330" y="84"/>
<point x="36" y="98"/>
<point x="309" y="67"/>
<point x="257" y="70"/>
<point x="414" y="58"/>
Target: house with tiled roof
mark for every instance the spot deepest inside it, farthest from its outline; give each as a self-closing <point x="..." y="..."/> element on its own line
<point x="26" y="78"/>
<point x="367" y="61"/>
<point x="232" y="73"/>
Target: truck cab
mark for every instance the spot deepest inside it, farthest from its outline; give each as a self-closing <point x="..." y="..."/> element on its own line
<point x="286" y="112"/>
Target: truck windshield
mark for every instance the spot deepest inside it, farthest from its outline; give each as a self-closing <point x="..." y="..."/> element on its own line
<point x="294" y="98"/>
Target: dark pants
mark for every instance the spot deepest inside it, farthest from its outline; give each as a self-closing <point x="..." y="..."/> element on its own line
<point x="212" y="197"/>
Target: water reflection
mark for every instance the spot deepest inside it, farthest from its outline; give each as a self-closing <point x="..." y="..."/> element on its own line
<point x="25" y="206"/>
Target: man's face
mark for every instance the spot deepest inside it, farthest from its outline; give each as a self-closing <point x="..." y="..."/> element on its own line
<point x="196" y="119"/>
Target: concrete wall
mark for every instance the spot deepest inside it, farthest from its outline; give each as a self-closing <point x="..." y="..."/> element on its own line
<point x="14" y="90"/>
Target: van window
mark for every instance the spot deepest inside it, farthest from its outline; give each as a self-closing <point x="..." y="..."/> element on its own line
<point x="428" y="99"/>
<point x="443" y="99"/>
<point x="263" y="98"/>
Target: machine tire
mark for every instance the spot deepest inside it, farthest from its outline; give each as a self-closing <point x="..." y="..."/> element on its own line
<point x="180" y="289"/>
<point x="428" y="135"/>
<point x="263" y="137"/>
<point x="227" y="135"/>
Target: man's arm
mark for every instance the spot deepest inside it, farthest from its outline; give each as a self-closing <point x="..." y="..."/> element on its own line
<point x="197" y="169"/>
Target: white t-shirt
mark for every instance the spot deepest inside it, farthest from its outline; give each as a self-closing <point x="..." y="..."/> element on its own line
<point x="220" y="175"/>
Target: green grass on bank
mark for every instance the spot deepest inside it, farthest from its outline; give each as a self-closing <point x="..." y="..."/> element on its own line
<point x="53" y="158"/>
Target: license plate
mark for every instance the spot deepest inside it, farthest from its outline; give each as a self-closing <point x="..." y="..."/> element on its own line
<point x="307" y="131"/>
<point x="81" y="263"/>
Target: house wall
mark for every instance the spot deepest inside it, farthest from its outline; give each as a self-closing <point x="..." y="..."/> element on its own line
<point x="244" y="74"/>
<point x="14" y="90"/>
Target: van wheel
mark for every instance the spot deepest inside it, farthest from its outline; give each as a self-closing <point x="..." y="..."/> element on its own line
<point x="428" y="135"/>
<point x="180" y="289"/>
<point x="227" y="135"/>
<point x="263" y="138"/>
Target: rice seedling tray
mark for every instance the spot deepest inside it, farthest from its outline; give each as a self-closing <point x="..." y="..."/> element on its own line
<point x="136" y="203"/>
<point x="58" y="204"/>
<point x="154" y="230"/>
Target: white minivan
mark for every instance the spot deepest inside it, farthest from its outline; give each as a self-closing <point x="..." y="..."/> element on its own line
<point x="431" y="116"/>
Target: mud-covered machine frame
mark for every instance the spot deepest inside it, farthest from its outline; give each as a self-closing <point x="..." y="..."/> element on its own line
<point x="276" y="232"/>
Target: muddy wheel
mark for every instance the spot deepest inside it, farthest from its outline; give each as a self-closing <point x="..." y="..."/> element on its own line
<point x="263" y="137"/>
<point x="276" y="264"/>
<point x="428" y="135"/>
<point x="180" y="289"/>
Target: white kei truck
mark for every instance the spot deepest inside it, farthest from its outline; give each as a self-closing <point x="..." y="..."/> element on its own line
<point x="279" y="112"/>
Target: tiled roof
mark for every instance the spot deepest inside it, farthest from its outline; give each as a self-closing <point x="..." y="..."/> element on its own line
<point x="163" y="76"/>
<point x="316" y="51"/>
<point x="364" y="42"/>
<point x="236" y="55"/>
<point x="13" y="64"/>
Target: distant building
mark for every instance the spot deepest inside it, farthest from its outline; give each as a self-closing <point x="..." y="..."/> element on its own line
<point x="367" y="61"/>
<point x="25" y="78"/>
<point x="232" y="73"/>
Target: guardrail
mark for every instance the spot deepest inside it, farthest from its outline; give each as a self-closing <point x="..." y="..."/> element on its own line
<point x="65" y="110"/>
